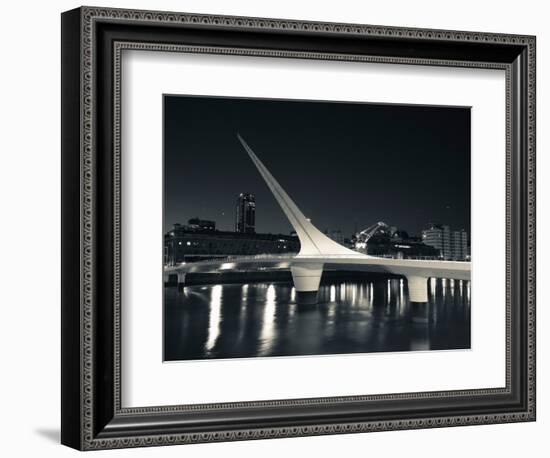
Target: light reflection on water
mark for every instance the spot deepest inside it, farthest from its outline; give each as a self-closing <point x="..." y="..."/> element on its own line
<point x="215" y="316"/>
<point x="268" y="335"/>
<point x="263" y="319"/>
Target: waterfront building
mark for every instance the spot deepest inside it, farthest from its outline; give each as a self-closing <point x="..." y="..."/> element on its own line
<point x="452" y="245"/>
<point x="188" y="243"/>
<point x="400" y="247"/>
<point x="459" y="247"/>
<point x="380" y="239"/>
<point x="439" y="237"/>
<point x="245" y="213"/>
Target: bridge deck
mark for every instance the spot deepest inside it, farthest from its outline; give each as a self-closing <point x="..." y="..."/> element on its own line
<point x="406" y="267"/>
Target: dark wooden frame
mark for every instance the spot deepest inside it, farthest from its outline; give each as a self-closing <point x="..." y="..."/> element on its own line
<point x="92" y="40"/>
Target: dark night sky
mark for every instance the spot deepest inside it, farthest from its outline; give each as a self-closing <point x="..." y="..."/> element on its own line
<point x="345" y="165"/>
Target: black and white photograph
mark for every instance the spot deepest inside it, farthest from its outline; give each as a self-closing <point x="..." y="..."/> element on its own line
<point x="307" y="227"/>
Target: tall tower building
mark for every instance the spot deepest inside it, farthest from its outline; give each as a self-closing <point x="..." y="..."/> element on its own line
<point x="452" y="245"/>
<point x="438" y="237"/>
<point x="245" y="214"/>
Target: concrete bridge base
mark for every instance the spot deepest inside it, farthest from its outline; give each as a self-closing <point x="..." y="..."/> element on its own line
<point x="307" y="278"/>
<point x="418" y="297"/>
<point x="418" y="288"/>
<point x="181" y="279"/>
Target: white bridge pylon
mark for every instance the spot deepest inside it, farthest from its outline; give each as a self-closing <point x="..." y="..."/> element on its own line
<point x="314" y="245"/>
<point x="312" y="241"/>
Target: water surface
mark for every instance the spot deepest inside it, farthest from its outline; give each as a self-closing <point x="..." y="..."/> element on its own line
<point x="263" y="319"/>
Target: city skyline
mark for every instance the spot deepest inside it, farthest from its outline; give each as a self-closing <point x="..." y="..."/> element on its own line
<point x="426" y="226"/>
<point x="337" y="178"/>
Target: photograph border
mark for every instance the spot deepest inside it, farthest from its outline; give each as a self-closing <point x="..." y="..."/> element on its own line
<point x="93" y="40"/>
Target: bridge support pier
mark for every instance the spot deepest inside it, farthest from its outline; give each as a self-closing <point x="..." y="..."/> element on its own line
<point x="418" y="297"/>
<point x="307" y="278"/>
<point x="181" y="279"/>
<point x="418" y="288"/>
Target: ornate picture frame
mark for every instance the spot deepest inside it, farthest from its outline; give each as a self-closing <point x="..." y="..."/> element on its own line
<point x="93" y="40"/>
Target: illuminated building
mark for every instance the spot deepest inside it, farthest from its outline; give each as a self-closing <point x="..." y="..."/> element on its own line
<point x="191" y="243"/>
<point x="452" y="245"/>
<point x="245" y="214"/>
